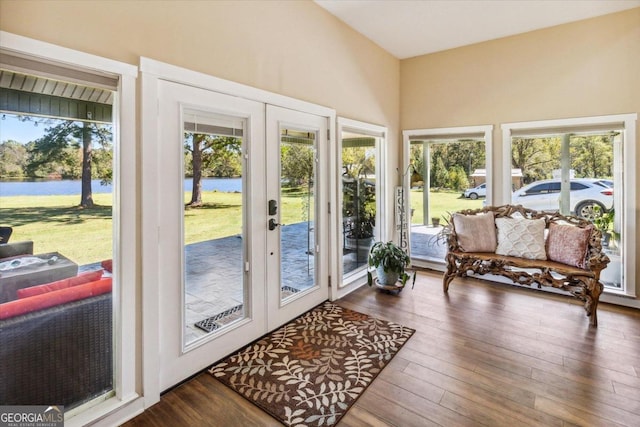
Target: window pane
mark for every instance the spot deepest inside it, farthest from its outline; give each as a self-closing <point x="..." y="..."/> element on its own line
<point x="214" y="288"/>
<point x="56" y="206"/>
<point x="359" y="206"/>
<point x="453" y="171"/>
<point x="594" y="167"/>
<point x="297" y="204"/>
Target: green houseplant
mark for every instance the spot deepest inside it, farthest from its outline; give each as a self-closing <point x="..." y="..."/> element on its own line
<point x="390" y="262"/>
<point x="603" y="221"/>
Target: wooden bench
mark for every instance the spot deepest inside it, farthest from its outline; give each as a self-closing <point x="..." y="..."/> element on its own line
<point x="581" y="280"/>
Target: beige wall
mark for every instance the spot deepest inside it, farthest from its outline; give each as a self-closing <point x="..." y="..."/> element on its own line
<point x="294" y="48"/>
<point x="587" y="68"/>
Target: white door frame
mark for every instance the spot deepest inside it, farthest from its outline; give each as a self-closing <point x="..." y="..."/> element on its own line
<point x="152" y="71"/>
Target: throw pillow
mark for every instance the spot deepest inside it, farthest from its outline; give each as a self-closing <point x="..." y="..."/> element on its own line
<point x="521" y="237"/>
<point x="476" y="233"/>
<point x="568" y="244"/>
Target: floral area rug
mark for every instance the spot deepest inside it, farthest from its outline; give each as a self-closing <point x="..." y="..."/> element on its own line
<point x="310" y="371"/>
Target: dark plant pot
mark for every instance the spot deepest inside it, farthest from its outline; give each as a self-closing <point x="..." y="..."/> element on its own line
<point x="435" y="222"/>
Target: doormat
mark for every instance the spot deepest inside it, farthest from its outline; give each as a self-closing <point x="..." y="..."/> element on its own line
<point x="213" y="323"/>
<point x="310" y="371"/>
<point x="216" y="322"/>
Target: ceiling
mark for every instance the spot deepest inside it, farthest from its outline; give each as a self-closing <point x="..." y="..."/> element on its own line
<point x="407" y="28"/>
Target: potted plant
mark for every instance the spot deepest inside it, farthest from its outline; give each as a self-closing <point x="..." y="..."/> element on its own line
<point x="360" y="217"/>
<point x="390" y="262"/>
<point x="603" y="221"/>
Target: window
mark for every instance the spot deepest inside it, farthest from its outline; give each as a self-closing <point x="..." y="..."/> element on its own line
<point x="582" y="167"/>
<point x="361" y="183"/>
<point x="445" y="170"/>
<point x="67" y="144"/>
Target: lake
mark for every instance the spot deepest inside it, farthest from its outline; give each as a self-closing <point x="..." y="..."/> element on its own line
<point x="68" y="187"/>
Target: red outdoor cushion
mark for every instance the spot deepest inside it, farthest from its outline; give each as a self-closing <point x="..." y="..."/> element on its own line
<point x="90" y="276"/>
<point x="107" y="264"/>
<point x="53" y="298"/>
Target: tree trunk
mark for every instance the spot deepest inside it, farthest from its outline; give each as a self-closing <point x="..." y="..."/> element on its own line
<point x="86" y="199"/>
<point x="196" y="193"/>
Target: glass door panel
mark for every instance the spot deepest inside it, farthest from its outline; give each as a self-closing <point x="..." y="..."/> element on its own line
<point x="297" y="197"/>
<point x="297" y="259"/>
<point x="214" y="291"/>
<point x="359" y="208"/>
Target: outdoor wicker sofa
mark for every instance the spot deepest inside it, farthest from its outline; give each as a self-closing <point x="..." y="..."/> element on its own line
<point x="61" y="355"/>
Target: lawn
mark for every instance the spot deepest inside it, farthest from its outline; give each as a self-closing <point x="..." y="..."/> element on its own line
<point x="442" y="203"/>
<point x="57" y="224"/>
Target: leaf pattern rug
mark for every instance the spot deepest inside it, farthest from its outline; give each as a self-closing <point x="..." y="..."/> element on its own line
<point x="310" y="371"/>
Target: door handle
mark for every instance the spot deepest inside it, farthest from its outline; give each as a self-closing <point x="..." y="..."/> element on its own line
<point x="273" y="224"/>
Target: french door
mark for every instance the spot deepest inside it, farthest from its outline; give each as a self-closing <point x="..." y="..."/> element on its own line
<point x="240" y="248"/>
<point x="296" y="248"/>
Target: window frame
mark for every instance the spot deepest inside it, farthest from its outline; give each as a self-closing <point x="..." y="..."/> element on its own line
<point x="627" y="124"/>
<point x="357" y="279"/>
<point x="126" y="399"/>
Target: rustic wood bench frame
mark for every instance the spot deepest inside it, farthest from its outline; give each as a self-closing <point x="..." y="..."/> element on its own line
<point x="583" y="284"/>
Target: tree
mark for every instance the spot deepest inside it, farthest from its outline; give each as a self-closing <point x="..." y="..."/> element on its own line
<point x="297" y="161"/>
<point x="60" y="145"/>
<point x="13" y="159"/>
<point x="592" y="156"/>
<point x="210" y="155"/>
<point x="536" y="157"/>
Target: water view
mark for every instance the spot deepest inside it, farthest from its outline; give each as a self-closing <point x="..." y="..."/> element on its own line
<point x="68" y="187"/>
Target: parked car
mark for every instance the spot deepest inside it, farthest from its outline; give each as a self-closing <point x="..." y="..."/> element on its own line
<point x="475" y="192"/>
<point x="585" y="193"/>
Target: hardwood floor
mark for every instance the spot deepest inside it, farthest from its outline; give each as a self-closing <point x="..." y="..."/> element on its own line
<point x="485" y="354"/>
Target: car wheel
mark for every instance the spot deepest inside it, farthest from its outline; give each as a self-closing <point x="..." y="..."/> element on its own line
<point x="585" y="210"/>
<point x="473" y="196"/>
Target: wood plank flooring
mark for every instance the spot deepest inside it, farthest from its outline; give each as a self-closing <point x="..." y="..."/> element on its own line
<point x="485" y="354"/>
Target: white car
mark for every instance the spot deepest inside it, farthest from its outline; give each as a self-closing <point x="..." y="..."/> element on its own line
<point x="585" y="193"/>
<point x="475" y="192"/>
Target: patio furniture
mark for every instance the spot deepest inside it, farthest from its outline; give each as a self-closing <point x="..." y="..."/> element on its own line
<point x="62" y="355"/>
<point x="5" y="234"/>
<point x="54" y="266"/>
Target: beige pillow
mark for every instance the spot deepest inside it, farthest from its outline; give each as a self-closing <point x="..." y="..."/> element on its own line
<point x="568" y="244"/>
<point x="521" y="237"/>
<point x="476" y="233"/>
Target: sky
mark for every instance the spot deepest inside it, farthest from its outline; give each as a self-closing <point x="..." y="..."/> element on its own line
<point x="23" y="132"/>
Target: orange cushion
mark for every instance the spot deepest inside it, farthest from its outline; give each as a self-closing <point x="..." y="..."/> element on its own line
<point x="53" y="298"/>
<point x="90" y="276"/>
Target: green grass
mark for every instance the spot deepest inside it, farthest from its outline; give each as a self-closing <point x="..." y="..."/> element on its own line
<point x="442" y="203"/>
<point x="57" y="224"/>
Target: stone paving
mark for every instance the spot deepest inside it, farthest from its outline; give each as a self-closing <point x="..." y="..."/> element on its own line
<point x="425" y="244"/>
<point x="214" y="273"/>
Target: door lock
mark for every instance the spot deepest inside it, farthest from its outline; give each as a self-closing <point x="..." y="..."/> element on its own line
<point x="273" y="207"/>
<point x="273" y="224"/>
